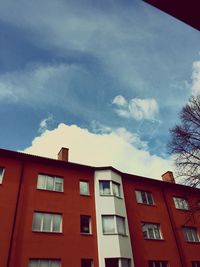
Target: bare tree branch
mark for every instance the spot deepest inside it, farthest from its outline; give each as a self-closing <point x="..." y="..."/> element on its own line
<point x="185" y="143"/>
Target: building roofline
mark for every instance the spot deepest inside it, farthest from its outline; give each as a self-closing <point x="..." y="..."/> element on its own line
<point x="35" y="158"/>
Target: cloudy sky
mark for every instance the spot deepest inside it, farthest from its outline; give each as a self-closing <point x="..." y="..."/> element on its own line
<point x="105" y="78"/>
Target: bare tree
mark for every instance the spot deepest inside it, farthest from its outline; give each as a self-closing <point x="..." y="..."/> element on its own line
<point x="185" y="143"/>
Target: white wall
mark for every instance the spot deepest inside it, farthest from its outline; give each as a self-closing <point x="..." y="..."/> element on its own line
<point x="111" y="246"/>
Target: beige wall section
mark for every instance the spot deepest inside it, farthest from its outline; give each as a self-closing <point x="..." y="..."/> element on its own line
<point x="111" y="246"/>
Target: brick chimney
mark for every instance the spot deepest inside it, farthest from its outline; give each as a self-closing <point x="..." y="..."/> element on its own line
<point x="168" y="177"/>
<point x="63" y="154"/>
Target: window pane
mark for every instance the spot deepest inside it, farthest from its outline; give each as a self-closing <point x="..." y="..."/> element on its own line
<point x="144" y="199"/>
<point x="105" y="187"/>
<point x="55" y="263"/>
<point x="85" y="224"/>
<point x="151" y="231"/>
<point x="149" y="198"/>
<point x="41" y="181"/>
<point x="138" y="196"/>
<point x="86" y="263"/>
<point x="59" y="184"/>
<point x="181" y="203"/>
<point x="116" y="189"/>
<point x="33" y="263"/>
<point x="158" y="264"/>
<point x="57" y="223"/>
<point x="44" y="263"/>
<point x="112" y="262"/>
<point x="157" y="233"/>
<point x="1" y="174"/>
<point x="84" y="188"/>
<point x="196" y="264"/>
<point x="37" y="221"/>
<point x="50" y="183"/>
<point x="190" y="234"/>
<point x="47" y="220"/>
<point x="125" y="262"/>
<point x="108" y="224"/>
<point x="120" y="225"/>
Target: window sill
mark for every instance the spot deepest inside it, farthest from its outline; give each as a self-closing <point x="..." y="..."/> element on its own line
<point x="124" y="235"/>
<point x="193" y="242"/>
<point x="145" y="204"/>
<point x="46" y="232"/>
<point x="51" y="191"/>
<point x="86" y="234"/>
<point x="184" y="210"/>
<point x="102" y="195"/>
<point x="82" y="195"/>
<point x="152" y="239"/>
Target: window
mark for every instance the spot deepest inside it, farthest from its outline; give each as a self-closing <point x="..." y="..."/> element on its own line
<point x="151" y="231"/>
<point x="85" y="224"/>
<point x="195" y="263"/>
<point x="117" y="262"/>
<point x="44" y="263"/>
<point x="181" y="203"/>
<point x="51" y="183"/>
<point x="144" y="197"/>
<point x="86" y="263"/>
<point x="113" y="224"/>
<point x="190" y="234"/>
<point x="84" y="188"/>
<point x="1" y="174"/>
<point x="158" y="264"/>
<point x="47" y="222"/>
<point x="125" y="263"/>
<point x="109" y="188"/>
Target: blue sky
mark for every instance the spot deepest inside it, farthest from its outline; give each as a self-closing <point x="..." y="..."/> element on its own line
<point x="107" y="67"/>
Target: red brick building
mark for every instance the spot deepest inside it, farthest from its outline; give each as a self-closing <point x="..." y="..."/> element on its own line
<point x="55" y="213"/>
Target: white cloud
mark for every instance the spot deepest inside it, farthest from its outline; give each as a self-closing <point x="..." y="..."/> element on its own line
<point x="136" y="108"/>
<point x="196" y="78"/>
<point x="119" y="100"/>
<point x="99" y="150"/>
<point x="45" y="123"/>
<point x="45" y="84"/>
<point x="132" y="138"/>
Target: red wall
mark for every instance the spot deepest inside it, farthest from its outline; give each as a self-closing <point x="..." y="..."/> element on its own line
<point x="166" y="249"/>
<point x="8" y="196"/>
<point x="70" y="246"/>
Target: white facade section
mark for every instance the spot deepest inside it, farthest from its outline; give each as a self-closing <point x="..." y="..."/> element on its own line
<point x="111" y="245"/>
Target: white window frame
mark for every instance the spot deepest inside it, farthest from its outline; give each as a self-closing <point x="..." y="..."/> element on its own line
<point x="116" y="230"/>
<point x="144" y="197"/>
<point x="2" y="170"/>
<point x="181" y="203"/>
<point x="82" y="193"/>
<point x="151" y="231"/>
<point x="112" y="190"/>
<point x="52" y="223"/>
<point x="191" y="234"/>
<point x="56" y="180"/>
<point x="40" y="261"/>
<point x="89" y="225"/>
<point x="158" y="264"/>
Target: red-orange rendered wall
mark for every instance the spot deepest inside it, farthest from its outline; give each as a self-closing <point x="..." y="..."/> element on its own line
<point x="70" y="246"/>
<point x="172" y="248"/>
<point x="20" y="198"/>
